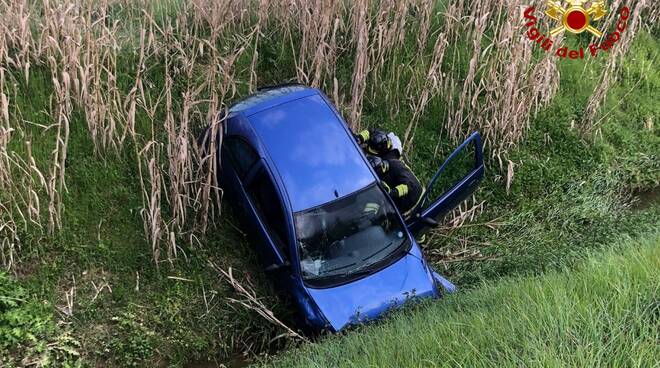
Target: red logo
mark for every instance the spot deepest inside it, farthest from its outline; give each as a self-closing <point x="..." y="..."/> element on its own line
<point x="576" y="19"/>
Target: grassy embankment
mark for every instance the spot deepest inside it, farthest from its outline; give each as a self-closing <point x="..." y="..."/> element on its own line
<point x="569" y="194"/>
<point x="605" y="312"/>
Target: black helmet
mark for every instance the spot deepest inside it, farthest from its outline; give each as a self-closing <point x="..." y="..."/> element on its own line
<point x="378" y="164"/>
<point x="379" y="142"/>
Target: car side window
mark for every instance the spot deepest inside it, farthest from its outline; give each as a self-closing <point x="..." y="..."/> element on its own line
<point x="240" y="153"/>
<point x="265" y="198"/>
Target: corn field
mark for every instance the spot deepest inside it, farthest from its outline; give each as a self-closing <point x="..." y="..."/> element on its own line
<point x="147" y="76"/>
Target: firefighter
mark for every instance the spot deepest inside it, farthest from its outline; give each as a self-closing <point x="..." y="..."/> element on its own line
<point x="380" y="143"/>
<point x="400" y="182"/>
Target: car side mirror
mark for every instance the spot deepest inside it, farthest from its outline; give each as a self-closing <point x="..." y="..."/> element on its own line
<point x="277" y="266"/>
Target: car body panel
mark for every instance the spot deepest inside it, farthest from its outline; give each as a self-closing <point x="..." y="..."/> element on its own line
<point x="311" y="158"/>
<point x="312" y="151"/>
<point x="368" y="298"/>
<point x="256" y="229"/>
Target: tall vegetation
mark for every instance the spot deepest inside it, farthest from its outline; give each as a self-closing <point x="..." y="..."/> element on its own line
<point x="106" y="194"/>
<point x="186" y="60"/>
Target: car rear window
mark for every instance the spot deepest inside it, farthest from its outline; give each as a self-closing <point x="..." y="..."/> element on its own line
<point x="263" y="96"/>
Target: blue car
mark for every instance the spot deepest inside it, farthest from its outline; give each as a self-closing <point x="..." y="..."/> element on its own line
<point x="329" y="235"/>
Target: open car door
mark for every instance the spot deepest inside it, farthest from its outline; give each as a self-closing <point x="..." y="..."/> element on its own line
<point x="455" y="180"/>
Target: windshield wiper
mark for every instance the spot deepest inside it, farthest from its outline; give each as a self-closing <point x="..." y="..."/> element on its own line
<point x="380" y="250"/>
<point x="368" y="270"/>
<point x="401" y="250"/>
<point x="340" y="268"/>
<point x="326" y="275"/>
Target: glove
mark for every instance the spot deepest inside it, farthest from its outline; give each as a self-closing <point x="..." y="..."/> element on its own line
<point x="361" y="137"/>
<point x="396" y="144"/>
<point x="399" y="191"/>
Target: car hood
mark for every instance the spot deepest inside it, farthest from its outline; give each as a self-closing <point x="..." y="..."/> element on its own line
<point x="369" y="297"/>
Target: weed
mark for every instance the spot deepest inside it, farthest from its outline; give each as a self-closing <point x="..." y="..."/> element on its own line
<point x="29" y="334"/>
<point x="101" y="104"/>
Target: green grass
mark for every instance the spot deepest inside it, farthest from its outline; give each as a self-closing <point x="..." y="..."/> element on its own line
<point x="28" y="329"/>
<point x="605" y="312"/>
<point x="570" y="196"/>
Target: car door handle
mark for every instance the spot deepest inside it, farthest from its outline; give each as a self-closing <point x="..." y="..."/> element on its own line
<point x="277" y="266"/>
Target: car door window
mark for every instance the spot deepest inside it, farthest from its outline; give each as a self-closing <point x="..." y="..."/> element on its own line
<point x="269" y="207"/>
<point x="455" y="170"/>
<point x="241" y="155"/>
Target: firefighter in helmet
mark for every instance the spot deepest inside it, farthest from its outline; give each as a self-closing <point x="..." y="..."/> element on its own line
<point x="400" y="182"/>
<point x="380" y="143"/>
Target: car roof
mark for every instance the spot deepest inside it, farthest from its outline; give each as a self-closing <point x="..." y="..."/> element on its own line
<point x="311" y="149"/>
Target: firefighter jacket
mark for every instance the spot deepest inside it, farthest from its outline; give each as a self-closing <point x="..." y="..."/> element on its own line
<point x="403" y="186"/>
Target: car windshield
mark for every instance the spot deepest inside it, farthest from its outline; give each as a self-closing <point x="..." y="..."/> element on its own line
<point x="349" y="235"/>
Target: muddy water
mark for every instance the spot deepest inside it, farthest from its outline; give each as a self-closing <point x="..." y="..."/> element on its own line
<point x="645" y="199"/>
<point x="238" y="361"/>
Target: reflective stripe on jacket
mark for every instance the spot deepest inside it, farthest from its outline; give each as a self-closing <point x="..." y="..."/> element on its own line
<point x="407" y="190"/>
